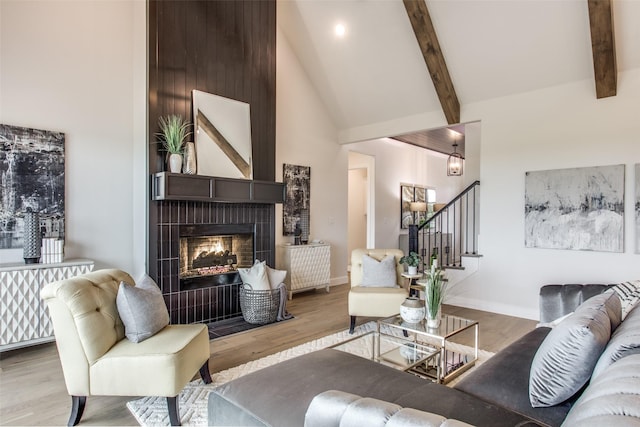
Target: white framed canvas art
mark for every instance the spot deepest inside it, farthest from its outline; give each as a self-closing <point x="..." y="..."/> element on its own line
<point x="576" y="209"/>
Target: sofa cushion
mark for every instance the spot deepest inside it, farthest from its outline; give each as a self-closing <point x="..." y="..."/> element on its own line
<point x="566" y="358"/>
<point x="557" y="300"/>
<point x="294" y="383"/>
<point x="503" y="380"/>
<point x="142" y="309"/>
<point x="612" y="399"/>
<point x="624" y="342"/>
<point x="379" y="274"/>
<point x="334" y="408"/>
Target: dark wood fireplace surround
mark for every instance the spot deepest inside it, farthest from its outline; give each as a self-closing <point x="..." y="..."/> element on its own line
<point x="226" y="48"/>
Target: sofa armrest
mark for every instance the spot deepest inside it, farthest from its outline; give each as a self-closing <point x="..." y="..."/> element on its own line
<point x="559" y="300"/>
<point x="335" y="408"/>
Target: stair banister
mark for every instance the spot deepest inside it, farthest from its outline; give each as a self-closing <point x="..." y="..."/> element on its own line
<point x="460" y="216"/>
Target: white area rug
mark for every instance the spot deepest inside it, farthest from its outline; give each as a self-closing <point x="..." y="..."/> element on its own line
<point x="152" y="411"/>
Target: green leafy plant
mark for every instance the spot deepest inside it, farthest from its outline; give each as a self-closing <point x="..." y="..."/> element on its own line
<point x="173" y="133"/>
<point x="434" y="289"/>
<point x="412" y="260"/>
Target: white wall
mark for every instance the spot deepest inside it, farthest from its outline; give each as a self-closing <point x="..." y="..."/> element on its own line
<point x="79" y="68"/>
<point x="558" y="127"/>
<point x="357" y="217"/>
<point x="555" y="128"/>
<point x="306" y="136"/>
<point x="396" y="163"/>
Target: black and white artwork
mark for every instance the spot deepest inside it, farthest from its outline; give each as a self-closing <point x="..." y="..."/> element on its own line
<point x="637" y="206"/>
<point x="578" y="209"/>
<point x="31" y="177"/>
<point x="298" y="185"/>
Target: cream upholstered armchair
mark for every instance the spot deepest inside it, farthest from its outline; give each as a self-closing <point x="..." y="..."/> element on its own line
<point x="374" y="300"/>
<point x="97" y="358"/>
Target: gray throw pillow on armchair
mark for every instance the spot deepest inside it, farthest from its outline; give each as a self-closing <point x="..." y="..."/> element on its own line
<point x="379" y="274"/>
<point x="566" y="358"/>
<point x="142" y="309"/>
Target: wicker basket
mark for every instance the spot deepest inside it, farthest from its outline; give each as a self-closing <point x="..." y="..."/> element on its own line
<point x="259" y="307"/>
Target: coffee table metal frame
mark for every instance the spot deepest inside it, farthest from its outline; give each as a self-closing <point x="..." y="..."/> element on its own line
<point x="430" y="342"/>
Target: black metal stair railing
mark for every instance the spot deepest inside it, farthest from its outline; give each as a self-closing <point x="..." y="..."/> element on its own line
<point x="450" y="233"/>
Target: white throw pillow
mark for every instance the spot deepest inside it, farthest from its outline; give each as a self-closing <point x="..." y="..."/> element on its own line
<point x="141" y="309"/>
<point x="379" y="274"/>
<point x="275" y="276"/>
<point x="256" y="276"/>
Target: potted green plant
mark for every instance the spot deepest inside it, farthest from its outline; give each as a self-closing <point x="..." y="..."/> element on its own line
<point x="434" y="291"/>
<point x="412" y="260"/>
<point x="173" y="133"/>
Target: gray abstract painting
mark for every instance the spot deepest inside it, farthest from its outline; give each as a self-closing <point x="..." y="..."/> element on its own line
<point x="298" y="196"/>
<point x="578" y="209"/>
<point x="637" y="208"/>
<point x="31" y="177"/>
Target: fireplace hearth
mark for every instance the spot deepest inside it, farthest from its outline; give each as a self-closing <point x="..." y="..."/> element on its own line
<point x="210" y="254"/>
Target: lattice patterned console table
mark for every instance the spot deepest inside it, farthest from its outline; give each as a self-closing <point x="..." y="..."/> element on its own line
<point x="308" y="266"/>
<point x="23" y="315"/>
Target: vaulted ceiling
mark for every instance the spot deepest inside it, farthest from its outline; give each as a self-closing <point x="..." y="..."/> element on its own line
<point x="376" y="72"/>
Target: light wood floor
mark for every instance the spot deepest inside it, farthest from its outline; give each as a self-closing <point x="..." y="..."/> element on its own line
<point x="32" y="390"/>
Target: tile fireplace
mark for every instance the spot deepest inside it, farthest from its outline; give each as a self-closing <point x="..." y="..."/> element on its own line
<point x="216" y="237"/>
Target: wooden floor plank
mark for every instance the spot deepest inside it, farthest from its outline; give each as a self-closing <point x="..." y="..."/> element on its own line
<point x="32" y="390"/>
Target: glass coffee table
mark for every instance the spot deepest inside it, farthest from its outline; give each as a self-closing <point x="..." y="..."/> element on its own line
<point x="427" y="352"/>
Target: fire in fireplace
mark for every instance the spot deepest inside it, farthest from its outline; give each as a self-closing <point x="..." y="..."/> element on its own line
<point x="210" y="250"/>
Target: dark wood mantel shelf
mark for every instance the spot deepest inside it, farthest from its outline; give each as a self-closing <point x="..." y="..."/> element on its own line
<point x="177" y="186"/>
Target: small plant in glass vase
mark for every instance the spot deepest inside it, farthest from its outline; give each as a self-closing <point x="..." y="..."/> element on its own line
<point x="413" y="262"/>
<point x="434" y="292"/>
<point x="173" y="133"/>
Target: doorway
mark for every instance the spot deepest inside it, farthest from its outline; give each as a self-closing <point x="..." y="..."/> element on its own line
<point x="361" y="202"/>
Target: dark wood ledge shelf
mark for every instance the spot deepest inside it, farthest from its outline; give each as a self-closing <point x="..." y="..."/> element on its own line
<point x="177" y="186"/>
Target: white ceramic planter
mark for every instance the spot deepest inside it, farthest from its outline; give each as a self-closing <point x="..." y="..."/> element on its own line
<point x="175" y="163"/>
<point x="412" y="310"/>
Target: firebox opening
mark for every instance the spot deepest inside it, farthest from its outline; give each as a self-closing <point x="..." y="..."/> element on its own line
<point x="208" y="252"/>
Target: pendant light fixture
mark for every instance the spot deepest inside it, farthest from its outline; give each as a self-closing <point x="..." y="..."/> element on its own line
<point x="454" y="162"/>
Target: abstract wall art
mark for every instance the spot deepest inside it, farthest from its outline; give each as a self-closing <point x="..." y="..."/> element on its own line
<point x="577" y="209"/>
<point x="222" y="129"/>
<point x="297" y="180"/>
<point x="31" y="177"/>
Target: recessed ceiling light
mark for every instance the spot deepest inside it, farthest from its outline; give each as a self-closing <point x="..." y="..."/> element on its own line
<point x="340" y="30"/>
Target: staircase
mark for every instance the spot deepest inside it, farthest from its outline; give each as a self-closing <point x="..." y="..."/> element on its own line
<point x="451" y="236"/>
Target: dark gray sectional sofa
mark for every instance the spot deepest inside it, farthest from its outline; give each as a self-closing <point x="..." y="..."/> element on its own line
<point x="495" y="393"/>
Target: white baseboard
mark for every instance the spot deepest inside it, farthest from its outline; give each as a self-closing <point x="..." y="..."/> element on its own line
<point x="492" y="307"/>
<point x="335" y="281"/>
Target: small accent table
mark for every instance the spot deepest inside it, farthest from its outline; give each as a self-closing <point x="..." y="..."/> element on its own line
<point x="410" y="281"/>
<point x="427" y="352"/>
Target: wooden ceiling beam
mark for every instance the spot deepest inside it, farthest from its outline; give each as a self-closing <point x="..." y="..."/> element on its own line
<point x="603" y="47"/>
<point x="430" y="47"/>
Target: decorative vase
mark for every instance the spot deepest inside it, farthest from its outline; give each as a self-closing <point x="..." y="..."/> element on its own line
<point x="175" y="163"/>
<point x="32" y="239"/>
<point x="412" y="310"/>
<point x="189" y="166"/>
<point x="433" y="319"/>
<point x="304" y="225"/>
<point x="412" y="270"/>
